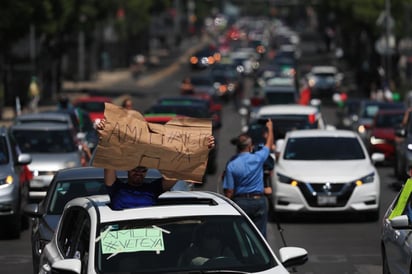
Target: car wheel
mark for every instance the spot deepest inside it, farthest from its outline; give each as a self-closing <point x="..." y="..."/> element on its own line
<point x="14" y="226"/>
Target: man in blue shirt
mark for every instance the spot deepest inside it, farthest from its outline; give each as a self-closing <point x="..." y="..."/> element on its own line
<point x="138" y="191"/>
<point x="243" y="178"/>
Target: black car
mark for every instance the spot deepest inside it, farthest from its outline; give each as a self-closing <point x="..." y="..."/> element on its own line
<point x="66" y="185"/>
<point x="14" y="184"/>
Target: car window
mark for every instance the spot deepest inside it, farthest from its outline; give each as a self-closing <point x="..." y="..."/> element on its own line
<point x="4" y="151"/>
<point x="65" y="191"/>
<point x="123" y="246"/>
<point x="73" y="240"/>
<point x="323" y="148"/>
<point x="45" y="141"/>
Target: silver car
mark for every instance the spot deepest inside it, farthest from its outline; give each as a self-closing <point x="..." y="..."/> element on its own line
<point x="13" y="184"/>
<point x="52" y="147"/>
<point x="396" y="243"/>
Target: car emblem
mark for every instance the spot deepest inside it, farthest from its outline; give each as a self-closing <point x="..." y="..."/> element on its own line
<point x="327" y="187"/>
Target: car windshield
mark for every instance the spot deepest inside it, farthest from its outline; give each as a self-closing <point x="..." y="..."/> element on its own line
<point x="65" y="191"/>
<point x="283" y="124"/>
<point x="181" y="244"/>
<point x="4" y="154"/>
<point x="45" y="141"/>
<point x="323" y="148"/>
<point x="91" y="106"/>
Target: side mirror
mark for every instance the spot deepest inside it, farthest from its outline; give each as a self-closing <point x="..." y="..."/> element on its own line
<point x="377" y="157"/>
<point x="400" y="222"/>
<point x="293" y="256"/>
<point x="315" y="102"/>
<point x="67" y="266"/>
<point x="32" y="210"/>
<point x="24" y="159"/>
<point x="400" y="131"/>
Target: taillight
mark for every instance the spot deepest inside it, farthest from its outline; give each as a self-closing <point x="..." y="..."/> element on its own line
<point x="312" y="118"/>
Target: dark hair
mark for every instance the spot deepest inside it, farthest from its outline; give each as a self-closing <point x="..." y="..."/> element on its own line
<point x="241" y="141"/>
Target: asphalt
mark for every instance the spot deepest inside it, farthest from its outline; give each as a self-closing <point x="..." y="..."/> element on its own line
<point x="121" y="79"/>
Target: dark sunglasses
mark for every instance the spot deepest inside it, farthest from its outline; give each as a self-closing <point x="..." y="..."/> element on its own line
<point x="139" y="169"/>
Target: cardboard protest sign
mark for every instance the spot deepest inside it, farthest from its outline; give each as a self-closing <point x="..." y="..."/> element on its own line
<point x="178" y="149"/>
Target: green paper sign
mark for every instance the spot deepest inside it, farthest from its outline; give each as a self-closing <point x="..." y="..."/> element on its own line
<point x="132" y="240"/>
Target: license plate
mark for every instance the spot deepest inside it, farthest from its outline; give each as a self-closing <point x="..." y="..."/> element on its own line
<point x="326" y="200"/>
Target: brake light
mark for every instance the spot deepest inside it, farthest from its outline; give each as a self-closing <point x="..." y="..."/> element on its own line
<point x="312" y="118"/>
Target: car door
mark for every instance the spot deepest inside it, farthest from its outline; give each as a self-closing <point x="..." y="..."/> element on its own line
<point x="398" y="242"/>
<point x="73" y="240"/>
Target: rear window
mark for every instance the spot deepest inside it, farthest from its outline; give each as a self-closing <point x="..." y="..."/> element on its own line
<point x="323" y="148"/>
<point x="45" y="141"/>
<point x="195" y="111"/>
<point x="283" y="124"/>
<point x="275" y="98"/>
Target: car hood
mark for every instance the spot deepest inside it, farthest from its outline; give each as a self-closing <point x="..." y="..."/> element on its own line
<point x="55" y="161"/>
<point x="48" y="225"/>
<point x="386" y="133"/>
<point x="332" y="171"/>
<point x="5" y="170"/>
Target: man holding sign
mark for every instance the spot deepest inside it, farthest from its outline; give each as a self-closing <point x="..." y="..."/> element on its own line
<point x="152" y="144"/>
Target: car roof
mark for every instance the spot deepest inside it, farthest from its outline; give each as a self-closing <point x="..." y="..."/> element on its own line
<point x="324" y="69"/>
<point x="49" y="116"/>
<point x="321" y="133"/>
<point x="92" y="99"/>
<point x="390" y="111"/>
<point x="40" y="126"/>
<point x="90" y="172"/>
<point x="170" y="204"/>
<point x="286" y="109"/>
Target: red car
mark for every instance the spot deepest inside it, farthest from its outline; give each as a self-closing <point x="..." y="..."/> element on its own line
<point x="94" y="105"/>
<point x="161" y="118"/>
<point x="382" y="132"/>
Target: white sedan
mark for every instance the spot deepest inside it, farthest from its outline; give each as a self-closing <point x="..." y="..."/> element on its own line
<point x="186" y="232"/>
<point x="326" y="171"/>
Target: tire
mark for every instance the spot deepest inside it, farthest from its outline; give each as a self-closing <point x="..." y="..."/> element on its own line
<point x="14" y="226"/>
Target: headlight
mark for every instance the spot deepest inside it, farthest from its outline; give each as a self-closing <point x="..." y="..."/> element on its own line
<point x="361" y="129"/>
<point x="370" y="178"/>
<point x="8" y="180"/>
<point x="286" y="180"/>
<point x="70" y="164"/>
<point x="409" y="146"/>
<point x="376" y="141"/>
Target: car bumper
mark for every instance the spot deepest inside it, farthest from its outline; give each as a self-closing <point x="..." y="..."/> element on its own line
<point x="39" y="185"/>
<point x="9" y="200"/>
<point x="350" y="198"/>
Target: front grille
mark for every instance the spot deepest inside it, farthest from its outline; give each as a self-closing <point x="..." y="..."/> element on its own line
<point x="342" y="192"/>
